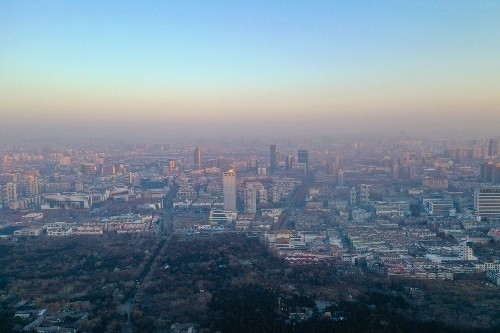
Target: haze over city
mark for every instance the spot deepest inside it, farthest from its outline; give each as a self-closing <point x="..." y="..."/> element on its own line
<point x="249" y="166"/>
<point x="115" y="69"/>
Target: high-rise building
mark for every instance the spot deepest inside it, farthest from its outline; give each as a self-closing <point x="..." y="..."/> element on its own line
<point x="353" y="199"/>
<point x="490" y="172"/>
<point x="197" y="158"/>
<point x="8" y="194"/>
<point x="396" y="170"/>
<point x="31" y="186"/>
<point x="250" y="194"/>
<point x="332" y="167"/>
<point x="289" y="162"/>
<point x="303" y="159"/>
<point x="340" y="178"/>
<point x="171" y="165"/>
<point x="493" y="147"/>
<point x="88" y="169"/>
<point x="487" y="201"/>
<point x="253" y="162"/>
<point x="229" y="190"/>
<point x="273" y="158"/>
<point x="364" y="195"/>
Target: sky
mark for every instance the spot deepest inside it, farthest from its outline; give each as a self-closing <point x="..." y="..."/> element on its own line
<point x="235" y="68"/>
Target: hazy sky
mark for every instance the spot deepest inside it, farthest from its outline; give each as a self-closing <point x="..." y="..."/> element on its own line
<point x="249" y="67"/>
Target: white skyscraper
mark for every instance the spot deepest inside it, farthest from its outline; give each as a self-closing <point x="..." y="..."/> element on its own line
<point x="229" y="190"/>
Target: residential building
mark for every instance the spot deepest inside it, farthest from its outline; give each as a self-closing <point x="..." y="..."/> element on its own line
<point x="465" y="250"/>
<point x="250" y="199"/>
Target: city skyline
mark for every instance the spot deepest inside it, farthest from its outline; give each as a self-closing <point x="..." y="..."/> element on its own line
<point x="248" y="69"/>
<point x="338" y="221"/>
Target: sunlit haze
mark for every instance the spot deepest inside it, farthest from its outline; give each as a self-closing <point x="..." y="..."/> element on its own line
<point x="220" y="69"/>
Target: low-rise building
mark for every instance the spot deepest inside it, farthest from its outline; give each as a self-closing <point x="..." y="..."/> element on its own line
<point x="30" y="231"/>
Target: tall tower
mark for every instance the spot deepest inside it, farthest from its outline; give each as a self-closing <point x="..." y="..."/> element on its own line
<point x="289" y="162"/>
<point x="229" y="190"/>
<point x="493" y="146"/>
<point x="273" y="158"/>
<point x="303" y="159"/>
<point x="197" y="158"/>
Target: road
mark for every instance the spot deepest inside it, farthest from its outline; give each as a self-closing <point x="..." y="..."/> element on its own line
<point x="295" y="200"/>
<point x="128" y="308"/>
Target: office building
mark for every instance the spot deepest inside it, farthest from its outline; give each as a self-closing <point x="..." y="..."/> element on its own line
<point x="88" y="169"/>
<point x="303" y="159"/>
<point x="197" y="158"/>
<point x="219" y="217"/>
<point x="229" y="190"/>
<point x="493" y="147"/>
<point x="289" y="162"/>
<point x="67" y="201"/>
<point x="273" y="158"/>
<point x="441" y="207"/>
<point x="490" y="172"/>
<point x="435" y="183"/>
<point x="487" y="201"/>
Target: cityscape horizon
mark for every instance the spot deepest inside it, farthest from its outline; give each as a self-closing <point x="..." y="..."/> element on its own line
<point x="249" y="166"/>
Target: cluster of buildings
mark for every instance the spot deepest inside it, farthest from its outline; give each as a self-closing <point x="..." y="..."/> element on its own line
<point x="42" y="321"/>
<point x="410" y="208"/>
<point x="121" y="224"/>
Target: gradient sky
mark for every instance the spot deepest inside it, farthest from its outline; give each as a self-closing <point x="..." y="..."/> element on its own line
<point x="252" y="66"/>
